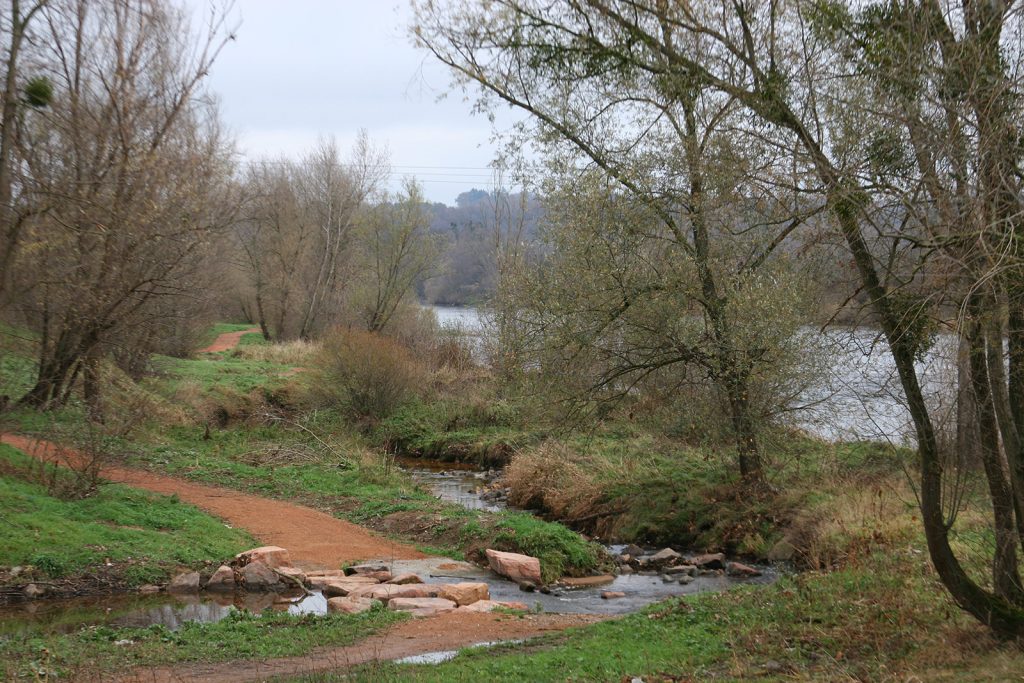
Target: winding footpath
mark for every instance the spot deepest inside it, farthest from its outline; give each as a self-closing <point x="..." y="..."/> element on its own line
<point x="314" y="540"/>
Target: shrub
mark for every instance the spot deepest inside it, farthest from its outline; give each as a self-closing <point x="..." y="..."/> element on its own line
<point x="367" y="375"/>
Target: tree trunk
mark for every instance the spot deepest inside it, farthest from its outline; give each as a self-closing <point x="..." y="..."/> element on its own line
<point x="1005" y="575"/>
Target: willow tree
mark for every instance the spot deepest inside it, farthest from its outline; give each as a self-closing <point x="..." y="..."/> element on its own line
<point x="796" y="86"/>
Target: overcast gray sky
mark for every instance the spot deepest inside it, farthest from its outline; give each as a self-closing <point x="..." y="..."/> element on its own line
<point x="303" y="68"/>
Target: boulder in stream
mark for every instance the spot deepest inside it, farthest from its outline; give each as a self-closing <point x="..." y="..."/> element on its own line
<point x="222" y="580"/>
<point x="257" y="576"/>
<point x="270" y="555"/>
<point x="187" y="582"/>
<point x="403" y="579"/>
<point x="519" y="568"/>
<point x="709" y="561"/>
<point x="350" y="605"/>
<point x="422" y="607"/>
<point x="737" y="569"/>
<point x="465" y="593"/>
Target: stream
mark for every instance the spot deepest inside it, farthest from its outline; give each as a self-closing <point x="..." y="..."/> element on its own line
<point x="450" y="482"/>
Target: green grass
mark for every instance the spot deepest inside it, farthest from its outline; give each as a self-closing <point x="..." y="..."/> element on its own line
<point x="94" y="652"/>
<point x="146" y="536"/>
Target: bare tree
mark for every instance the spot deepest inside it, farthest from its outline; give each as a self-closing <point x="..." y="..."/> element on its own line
<point x="132" y="163"/>
<point x="396" y="251"/>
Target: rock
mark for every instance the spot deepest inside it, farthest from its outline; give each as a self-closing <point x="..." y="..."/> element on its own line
<point x="33" y="591"/>
<point x="124" y="642"/>
<point x="685" y="580"/>
<point x="422" y="607"/>
<point x="465" y="593"/>
<point x="293" y="572"/>
<point x="366" y="569"/>
<point x="584" y="581"/>
<point x="270" y="555"/>
<point x="350" y="605"/>
<point x="741" y="570"/>
<point x="184" y="583"/>
<point x="514" y="566"/>
<point x="326" y="573"/>
<point x="668" y="578"/>
<point x="612" y="595"/>
<point x="783" y="551"/>
<point x="491" y="605"/>
<point x="257" y="576"/>
<point x="626" y="569"/>
<point x="222" y="580"/>
<point x="388" y="592"/>
<point x="682" y="569"/>
<point x="633" y="549"/>
<point x="15" y="572"/>
<point x="321" y="581"/>
<point x="335" y="587"/>
<point x="527" y="586"/>
<point x="665" y="556"/>
<point x="403" y="579"/>
<point x="150" y="588"/>
<point x="709" y="561"/>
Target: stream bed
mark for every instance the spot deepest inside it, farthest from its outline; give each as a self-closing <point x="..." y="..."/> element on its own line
<point x="451" y="482"/>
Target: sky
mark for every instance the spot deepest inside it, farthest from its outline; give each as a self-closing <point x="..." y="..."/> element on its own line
<point x="302" y="69"/>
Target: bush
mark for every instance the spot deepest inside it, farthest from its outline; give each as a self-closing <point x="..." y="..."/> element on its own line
<point x="367" y="375"/>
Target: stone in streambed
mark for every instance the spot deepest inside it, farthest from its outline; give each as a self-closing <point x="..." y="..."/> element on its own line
<point x="387" y="592"/>
<point x="519" y="568"/>
<point x="222" y="580"/>
<point x="491" y="605"/>
<point x="664" y="556"/>
<point x="421" y="607"/>
<point x="32" y="591"/>
<point x="688" y="569"/>
<point x="403" y="579"/>
<point x="185" y="583"/>
<point x="465" y="593"/>
<point x="709" y="561"/>
<point x="257" y="576"/>
<point x="737" y="569"/>
<point x="612" y="595"/>
<point x="270" y="555"/>
<point x="317" y="581"/>
<point x="350" y="605"/>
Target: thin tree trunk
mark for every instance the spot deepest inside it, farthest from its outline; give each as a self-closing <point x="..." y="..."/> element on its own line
<point x="1005" y="575"/>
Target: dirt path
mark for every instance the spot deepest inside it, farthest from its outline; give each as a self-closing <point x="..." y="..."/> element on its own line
<point x="417" y="636"/>
<point x="227" y="341"/>
<point x="314" y="539"/>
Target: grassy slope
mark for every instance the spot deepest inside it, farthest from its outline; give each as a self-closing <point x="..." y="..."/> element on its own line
<point x="145" y="535"/>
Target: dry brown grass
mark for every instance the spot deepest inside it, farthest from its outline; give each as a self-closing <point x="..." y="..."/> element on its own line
<point x="554" y="478"/>
<point x="298" y="352"/>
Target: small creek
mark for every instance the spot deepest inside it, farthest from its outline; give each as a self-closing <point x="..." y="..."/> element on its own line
<point x="451" y="482"/>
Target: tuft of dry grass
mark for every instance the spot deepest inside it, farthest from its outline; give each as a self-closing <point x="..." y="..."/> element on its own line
<point x="555" y="478"/>
<point x="298" y="352"/>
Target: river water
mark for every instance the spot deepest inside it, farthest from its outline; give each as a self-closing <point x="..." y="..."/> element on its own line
<point x="854" y="394"/>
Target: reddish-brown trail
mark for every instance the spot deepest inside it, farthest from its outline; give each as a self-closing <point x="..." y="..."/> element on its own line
<point x="228" y="340"/>
<point x="313" y="538"/>
<point x="445" y="632"/>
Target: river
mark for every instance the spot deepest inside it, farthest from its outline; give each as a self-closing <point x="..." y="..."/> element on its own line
<point x="855" y="395"/>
